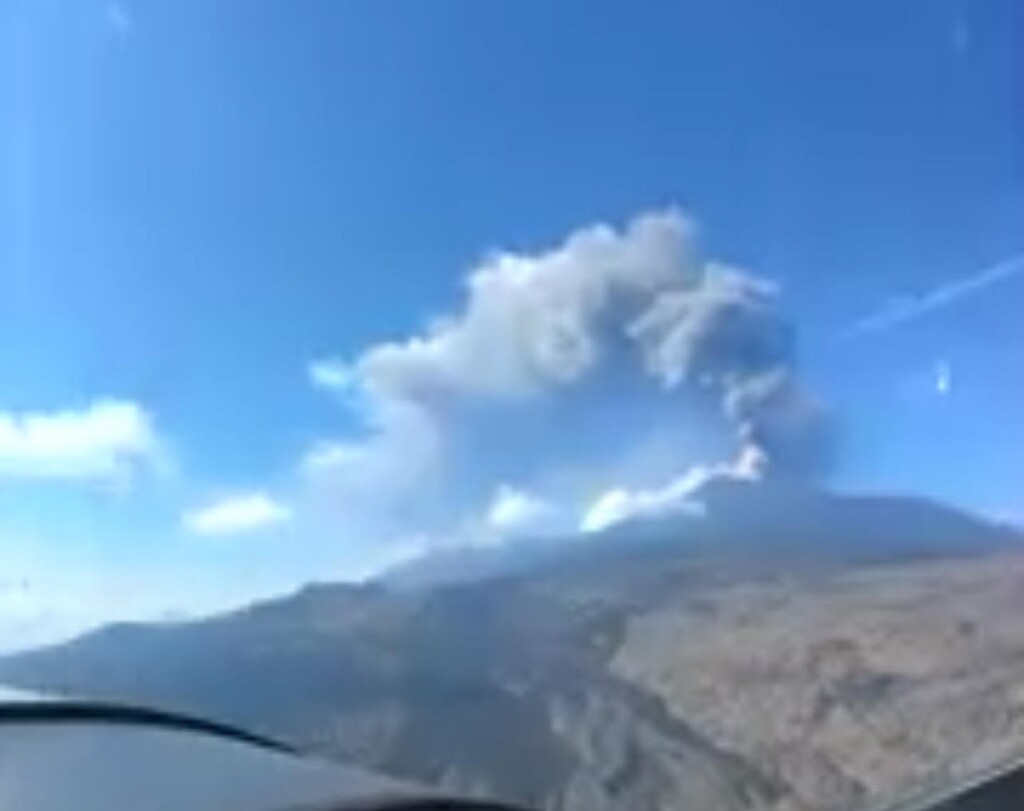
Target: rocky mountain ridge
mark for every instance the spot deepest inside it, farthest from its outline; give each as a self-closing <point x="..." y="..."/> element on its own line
<point x="760" y="657"/>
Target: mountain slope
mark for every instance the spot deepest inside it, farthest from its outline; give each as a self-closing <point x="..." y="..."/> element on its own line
<point x="580" y="682"/>
<point x="446" y="688"/>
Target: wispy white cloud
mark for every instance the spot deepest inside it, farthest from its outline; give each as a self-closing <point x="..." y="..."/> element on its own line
<point x="960" y="35"/>
<point x="109" y="439"/>
<point x="943" y="378"/>
<point x="236" y="515"/>
<point x="331" y="374"/>
<point x="910" y="308"/>
<point x="118" y="17"/>
<point x="516" y="511"/>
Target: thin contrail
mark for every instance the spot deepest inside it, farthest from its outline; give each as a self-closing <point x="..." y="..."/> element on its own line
<point x="914" y="307"/>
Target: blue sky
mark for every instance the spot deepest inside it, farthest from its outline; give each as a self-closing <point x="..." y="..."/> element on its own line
<point x="201" y="201"/>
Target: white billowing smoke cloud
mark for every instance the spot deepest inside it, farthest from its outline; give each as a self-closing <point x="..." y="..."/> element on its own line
<point x="621" y="504"/>
<point x="535" y="324"/>
<point x="367" y="482"/>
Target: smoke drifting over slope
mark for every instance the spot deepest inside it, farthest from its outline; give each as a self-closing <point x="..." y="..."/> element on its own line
<point x="725" y="333"/>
